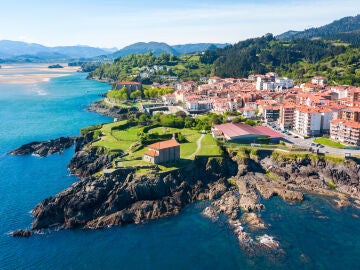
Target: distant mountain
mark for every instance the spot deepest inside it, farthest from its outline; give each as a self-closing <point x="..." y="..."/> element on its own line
<point x="79" y="51"/>
<point x="143" y="47"/>
<point x="10" y="48"/>
<point x="18" y="50"/>
<point x="160" y="47"/>
<point x="197" y="47"/>
<point x="344" y="25"/>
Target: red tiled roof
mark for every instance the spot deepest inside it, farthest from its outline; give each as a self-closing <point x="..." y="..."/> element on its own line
<point x="134" y="83"/>
<point x="151" y="153"/>
<point x="347" y="123"/>
<point x="164" y="144"/>
<point x="268" y="131"/>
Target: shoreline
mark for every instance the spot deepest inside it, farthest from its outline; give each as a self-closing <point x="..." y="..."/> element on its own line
<point x="32" y="73"/>
<point x="234" y="184"/>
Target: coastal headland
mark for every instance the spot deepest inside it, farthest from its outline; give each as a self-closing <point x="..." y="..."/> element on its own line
<point x="117" y="187"/>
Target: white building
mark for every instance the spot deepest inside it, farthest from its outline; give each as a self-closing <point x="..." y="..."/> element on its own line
<point x="311" y="121"/>
<point x="284" y="83"/>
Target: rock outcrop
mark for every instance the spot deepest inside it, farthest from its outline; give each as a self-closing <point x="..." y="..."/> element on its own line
<point x="122" y="198"/>
<point x="111" y="111"/>
<point x="45" y="148"/>
<point x="235" y="184"/>
<point x="22" y="233"/>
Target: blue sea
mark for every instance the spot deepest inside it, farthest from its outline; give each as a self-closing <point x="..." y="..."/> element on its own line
<point x="313" y="234"/>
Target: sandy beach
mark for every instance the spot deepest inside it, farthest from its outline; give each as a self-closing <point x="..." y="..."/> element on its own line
<point x="32" y="73"/>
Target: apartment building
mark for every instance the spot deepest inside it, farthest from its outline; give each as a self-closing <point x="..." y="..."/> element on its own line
<point x="345" y="131"/>
<point x="286" y="117"/>
<point x="310" y="121"/>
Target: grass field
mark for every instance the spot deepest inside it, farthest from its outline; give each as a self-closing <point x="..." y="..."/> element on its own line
<point x="186" y="149"/>
<point x="117" y="136"/>
<point x="329" y="142"/>
<point x="117" y="139"/>
<point x="209" y="147"/>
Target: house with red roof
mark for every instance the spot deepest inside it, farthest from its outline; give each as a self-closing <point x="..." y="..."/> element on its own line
<point x="130" y="86"/>
<point x="163" y="152"/>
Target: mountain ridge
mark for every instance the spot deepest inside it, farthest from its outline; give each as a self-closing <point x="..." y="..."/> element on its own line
<point x="344" y="25"/>
<point x="19" y="51"/>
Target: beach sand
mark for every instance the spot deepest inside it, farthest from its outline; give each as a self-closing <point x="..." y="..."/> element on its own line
<point x="32" y="73"/>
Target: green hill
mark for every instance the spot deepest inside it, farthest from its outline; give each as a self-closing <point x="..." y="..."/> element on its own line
<point x="300" y="59"/>
<point x="344" y="25"/>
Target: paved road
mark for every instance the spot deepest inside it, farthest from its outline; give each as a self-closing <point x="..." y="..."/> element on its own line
<point x="326" y="149"/>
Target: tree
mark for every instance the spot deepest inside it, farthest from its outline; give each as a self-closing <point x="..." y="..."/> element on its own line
<point x="143" y="118"/>
<point x="136" y="94"/>
<point x="250" y="122"/>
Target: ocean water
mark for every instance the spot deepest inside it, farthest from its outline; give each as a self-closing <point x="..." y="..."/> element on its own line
<point x="313" y="234"/>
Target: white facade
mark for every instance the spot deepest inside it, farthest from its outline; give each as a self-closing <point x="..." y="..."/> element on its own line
<point x="326" y="118"/>
<point x="259" y="83"/>
<point x="306" y="123"/>
<point x="310" y="122"/>
<point x="342" y="92"/>
<point x="284" y="82"/>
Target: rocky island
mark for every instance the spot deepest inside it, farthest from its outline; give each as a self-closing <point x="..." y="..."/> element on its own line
<point x="55" y="66"/>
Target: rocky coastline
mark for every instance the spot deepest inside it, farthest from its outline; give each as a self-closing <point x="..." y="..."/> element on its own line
<point x="234" y="184"/>
<point x="43" y="149"/>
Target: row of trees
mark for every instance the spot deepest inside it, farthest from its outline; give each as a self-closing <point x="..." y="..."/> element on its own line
<point x="124" y="94"/>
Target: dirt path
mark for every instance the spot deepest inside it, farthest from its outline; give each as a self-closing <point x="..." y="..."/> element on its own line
<point x="198" y="144"/>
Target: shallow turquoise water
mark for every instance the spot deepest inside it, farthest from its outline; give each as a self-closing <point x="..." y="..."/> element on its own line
<point x="313" y="234"/>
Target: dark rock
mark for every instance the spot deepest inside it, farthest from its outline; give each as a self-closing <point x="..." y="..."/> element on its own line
<point x="87" y="162"/>
<point x="112" y="111"/>
<point x="22" y="233"/>
<point x="123" y="197"/>
<point x="45" y="148"/>
<point x="55" y="66"/>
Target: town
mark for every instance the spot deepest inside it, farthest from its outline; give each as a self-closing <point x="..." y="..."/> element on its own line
<point x="297" y="112"/>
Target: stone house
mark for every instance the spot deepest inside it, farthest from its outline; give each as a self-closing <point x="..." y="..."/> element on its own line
<point x="163" y="152"/>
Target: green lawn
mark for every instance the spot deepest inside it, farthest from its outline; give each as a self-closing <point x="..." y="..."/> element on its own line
<point x="116" y="136"/>
<point x="186" y="149"/>
<point x="329" y="142"/>
<point x="117" y="139"/>
<point x="209" y="147"/>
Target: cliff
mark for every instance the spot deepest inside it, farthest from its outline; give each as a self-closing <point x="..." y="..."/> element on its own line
<point x="125" y="197"/>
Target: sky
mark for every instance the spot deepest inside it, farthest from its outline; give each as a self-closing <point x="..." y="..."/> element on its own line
<point x="111" y="23"/>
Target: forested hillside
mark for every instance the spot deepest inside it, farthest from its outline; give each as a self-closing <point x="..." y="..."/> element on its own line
<point x="299" y="59"/>
<point x="151" y="68"/>
<point x="344" y="25"/>
<point x="298" y="55"/>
